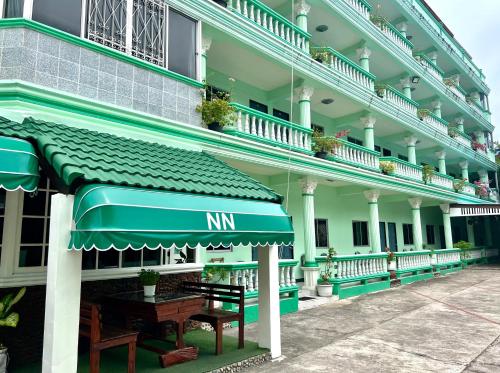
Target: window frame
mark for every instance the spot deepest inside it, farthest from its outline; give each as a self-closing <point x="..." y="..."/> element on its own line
<point x="316" y="221"/>
<point x="362" y="223"/>
<point x="428" y="234"/>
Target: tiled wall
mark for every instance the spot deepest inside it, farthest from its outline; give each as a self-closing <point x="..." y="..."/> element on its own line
<point x="38" y="58"/>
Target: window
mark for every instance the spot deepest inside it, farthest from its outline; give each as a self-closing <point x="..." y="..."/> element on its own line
<point x="360" y="233"/>
<point x="386" y="152"/>
<point x="258" y="106"/>
<point x="319" y="129"/>
<point x="321" y="232"/>
<point x="214" y="92"/>
<point x="378" y="148"/>
<point x="281" y="114"/>
<point x="354" y="140"/>
<point x="181" y="42"/>
<point x="34" y="243"/>
<point x="408" y="234"/>
<point x="431" y="239"/>
<point x="219" y="249"/>
<point x="65" y="15"/>
<point x="403" y="157"/>
<point x="13" y="8"/>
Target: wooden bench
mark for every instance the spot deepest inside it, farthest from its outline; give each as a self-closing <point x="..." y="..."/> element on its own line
<point x="217" y="317"/>
<point x="103" y="338"/>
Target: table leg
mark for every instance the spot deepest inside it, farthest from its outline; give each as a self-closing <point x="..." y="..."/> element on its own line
<point x="180" y="334"/>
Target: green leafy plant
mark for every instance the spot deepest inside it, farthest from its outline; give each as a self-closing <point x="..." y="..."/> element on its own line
<point x="149" y="277"/>
<point x="387" y="167"/>
<point x="459" y="185"/>
<point x="214" y="274"/>
<point x="380" y="89"/>
<point x="453" y="132"/>
<point x="217" y="110"/>
<point x="390" y="256"/>
<point x="326" y="274"/>
<point x="327" y="144"/>
<point x="464" y="247"/>
<point x="320" y="55"/>
<point x="427" y="173"/>
<point x="423" y="113"/>
<point x="7" y="317"/>
<point x="450" y="82"/>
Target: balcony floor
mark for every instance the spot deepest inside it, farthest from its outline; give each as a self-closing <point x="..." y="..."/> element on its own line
<point x="115" y="360"/>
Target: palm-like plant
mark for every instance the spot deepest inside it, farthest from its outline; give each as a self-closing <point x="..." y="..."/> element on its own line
<point x="7" y="317"/>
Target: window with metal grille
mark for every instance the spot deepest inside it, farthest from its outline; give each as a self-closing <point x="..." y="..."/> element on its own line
<point x="106" y="23"/>
<point x="360" y="233"/>
<point x="148" y="31"/>
<point x="321" y="232"/>
<point x="408" y="234"/>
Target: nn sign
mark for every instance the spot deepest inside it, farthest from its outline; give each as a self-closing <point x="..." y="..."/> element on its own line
<point x="220" y="221"/>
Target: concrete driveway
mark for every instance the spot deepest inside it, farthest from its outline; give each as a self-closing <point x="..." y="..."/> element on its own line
<point x="447" y="324"/>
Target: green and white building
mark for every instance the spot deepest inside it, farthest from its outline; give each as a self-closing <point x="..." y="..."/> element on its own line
<point x="104" y="93"/>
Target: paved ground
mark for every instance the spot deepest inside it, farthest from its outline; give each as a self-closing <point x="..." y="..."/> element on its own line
<point x="448" y="324"/>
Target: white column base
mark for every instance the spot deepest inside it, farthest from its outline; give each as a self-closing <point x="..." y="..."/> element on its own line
<point x="311" y="276"/>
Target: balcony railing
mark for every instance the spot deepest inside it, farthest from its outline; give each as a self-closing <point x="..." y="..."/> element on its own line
<point x="393" y="33"/>
<point x="468" y="188"/>
<point x="447" y="256"/>
<point x="430" y="66"/>
<point x="433" y="120"/>
<point x="361" y="6"/>
<point x="458" y="91"/>
<point x="357" y="266"/>
<point x="405" y="169"/>
<point x="442" y="180"/>
<point x="272" y="21"/>
<point x="345" y="66"/>
<point x="392" y="95"/>
<point x="476" y="107"/>
<point x="271" y="130"/>
<point x="356" y="155"/>
<point x="462" y="138"/>
<point x="412" y="259"/>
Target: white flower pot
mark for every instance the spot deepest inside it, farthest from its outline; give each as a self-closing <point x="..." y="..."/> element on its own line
<point x="324" y="290"/>
<point x="433" y="259"/>
<point x="391" y="266"/>
<point x="149" y="290"/>
<point x="4" y="359"/>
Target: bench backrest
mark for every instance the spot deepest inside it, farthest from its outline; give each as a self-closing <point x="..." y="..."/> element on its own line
<point x="90" y="321"/>
<point x="217" y="292"/>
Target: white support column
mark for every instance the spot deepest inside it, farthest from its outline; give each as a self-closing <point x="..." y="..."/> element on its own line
<point x="415" y="204"/>
<point x="301" y="11"/>
<point x="470" y="231"/>
<point x="402" y="28"/>
<point x="411" y="143"/>
<point x="11" y="231"/>
<point x="406" y="86"/>
<point x="364" y="54"/>
<point x="62" y="301"/>
<point x="436" y="108"/>
<point x="269" y="328"/>
<point x="206" y="43"/>
<point x="305" y="93"/>
<point x="372" y="197"/>
<point x="369" y="123"/>
<point x="464" y="165"/>
<point x="441" y="155"/>
<point x="459" y="122"/>
<point x="448" y="236"/>
<point x="483" y="176"/>
<point x="310" y="267"/>
<point x="433" y="57"/>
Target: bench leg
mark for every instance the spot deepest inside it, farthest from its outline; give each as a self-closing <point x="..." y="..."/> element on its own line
<point x="241" y="333"/>
<point x="131" y="357"/>
<point x="218" y="337"/>
<point x="95" y="357"/>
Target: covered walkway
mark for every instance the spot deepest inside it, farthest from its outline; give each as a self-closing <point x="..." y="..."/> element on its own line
<point x="447" y="324"/>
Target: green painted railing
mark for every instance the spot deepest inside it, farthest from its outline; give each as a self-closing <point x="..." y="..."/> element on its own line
<point x="405" y="169"/>
<point x="268" y="129"/>
<point x="407" y="260"/>
<point x="340" y="63"/>
<point x="361" y="6"/>
<point x="392" y="33"/>
<point x="356" y="155"/>
<point x="272" y="21"/>
<point x="430" y="65"/>
<point x="357" y="266"/>
<point x="433" y="120"/>
<point x="392" y="95"/>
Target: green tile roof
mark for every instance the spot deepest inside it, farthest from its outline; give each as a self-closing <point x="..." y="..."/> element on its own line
<point x="80" y="156"/>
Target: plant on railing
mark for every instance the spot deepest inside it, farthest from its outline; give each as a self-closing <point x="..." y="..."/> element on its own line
<point x="320" y="55"/>
<point x="324" y="286"/>
<point x="427" y="173"/>
<point x="214" y="274"/>
<point x="378" y="20"/>
<point x="453" y="132"/>
<point x="464" y="247"/>
<point x="483" y="190"/>
<point x="423" y="113"/>
<point x="478" y="146"/>
<point x="387" y="167"/>
<point x="380" y="90"/>
<point x="217" y="112"/>
<point x="450" y="82"/>
<point x="7" y="317"/>
<point x="324" y="145"/>
<point x="459" y="185"/>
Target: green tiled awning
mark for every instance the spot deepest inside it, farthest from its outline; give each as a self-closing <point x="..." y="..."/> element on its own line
<point x="111" y="217"/>
<point x="18" y="165"/>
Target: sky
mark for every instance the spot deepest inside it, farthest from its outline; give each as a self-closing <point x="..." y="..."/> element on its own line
<point x="476" y="26"/>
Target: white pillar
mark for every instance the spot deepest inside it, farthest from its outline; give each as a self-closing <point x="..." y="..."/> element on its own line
<point x="269" y="328"/>
<point x="372" y="197"/>
<point x="62" y="301"/>
<point x="464" y="165"/>
<point x="11" y="227"/>
<point x="415" y="204"/>
<point x="448" y="236"/>
<point x="305" y="93"/>
<point x="301" y="11"/>
<point x="459" y="122"/>
<point x="483" y="176"/>
<point x="433" y="57"/>
<point x="470" y="231"/>
<point x="369" y="123"/>
<point x="206" y="43"/>
<point x="406" y="86"/>
<point x="402" y="28"/>
<point x="310" y="267"/>
<point x="364" y="54"/>
<point x="441" y="161"/>
<point x="436" y="108"/>
<point x="411" y="143"/>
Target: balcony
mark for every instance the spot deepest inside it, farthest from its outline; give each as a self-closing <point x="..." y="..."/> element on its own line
<point x="430" y="66"/>
<point x="271" y="21"/>
<point x="442" y="181"/>
<point x="405" y="170"/>
<point x="392" y="95"/>
<point x="356" y="155"/>
<point x="392" y="33"/>
<point x="468" y="188"/>
<point x="461" y="137"/>
<point x="274" y="131"/>
<point x="361" y="6"/>
<point x="343" y="65"/>
<point x="433" y="120"/>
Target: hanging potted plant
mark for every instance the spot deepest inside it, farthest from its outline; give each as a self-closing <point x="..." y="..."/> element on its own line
<point x="324" y="287"/>
<point x="427" y="173"/>
<point x="149" y="278"/>
<point x="8" y="319"/>
<point x="217" y="112"/>
<point x="387" y="167"/>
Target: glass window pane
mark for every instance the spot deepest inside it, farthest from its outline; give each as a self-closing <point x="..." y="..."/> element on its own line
<point x="88" y="259"/>
<point x="2" y="201"/>
<point x="65" y="15"/>
<point x="32" y="230"/>
<point x="13" y="8"/>
<point x="151" y="257"/>
<point x="30" y="256"/>
<point x="182" y="44"/>
<point x="131" y="258"/>
<point x="108" y="259"/>
<point x="34" y="203"/>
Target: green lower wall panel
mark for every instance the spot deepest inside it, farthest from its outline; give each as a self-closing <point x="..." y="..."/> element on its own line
<point x="408" y="279"/>
<point x="444" y="269"/>
<point x="352" y="291"/>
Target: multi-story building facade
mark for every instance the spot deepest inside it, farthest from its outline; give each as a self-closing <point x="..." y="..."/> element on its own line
<point x="391" y="78"/>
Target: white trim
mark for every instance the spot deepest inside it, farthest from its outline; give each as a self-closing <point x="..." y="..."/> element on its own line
<point x="129" y="23"/>
<point x="83" y="21"/>
<point x="2" y="8"/>
<point x="198" y="51"/>
<point x="28" y="9"/>
<point x="11" y="232"/>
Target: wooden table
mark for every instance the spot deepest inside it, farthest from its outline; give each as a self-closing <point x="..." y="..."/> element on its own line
<point x="176" y="307"/>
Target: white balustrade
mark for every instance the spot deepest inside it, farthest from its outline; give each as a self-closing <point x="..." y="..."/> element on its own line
<point x="405" y="169"/>
<point x="441" y="180"/>
<point x="469" y="189"/>
<point x="397" y="98"/>
<point x="447" y="256"/>
<point x="430" y="67"/>
<point x="436" y="122"/>
<point x="457" y="92"/>
<point x="358" y="155"/>
<point x="359" y="265"/>
<point x="491" y="252"/>
<point x="414" y="259"/>
<point x="267" y="18"/>
<point x="360" y="7"/>
<point x="346" y="67"/>
<point x="395" y="36"/>
<point x="474" y="254"/>
<point x="466" y="141"/>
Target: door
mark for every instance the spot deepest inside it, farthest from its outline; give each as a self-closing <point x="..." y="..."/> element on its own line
<point x="441" y="237"/>
<point x="393" y="237"/>
<point x="383" y="236"/>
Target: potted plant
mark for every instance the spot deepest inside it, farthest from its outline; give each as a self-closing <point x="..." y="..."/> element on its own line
<point x="320" y="55"/>
<point x="324" y="287"/>
<point x="387" y="167"/>
<point x="391" y="260"/>
<point x="433" y="256"/>
<point x="459" y="185"/>
<point x="8" y="319"/>
<point x="380" y="90"/>
<point x="427" y="173"/>
<point x="482" y="189"/>
<point x="453" y="132"/>
<point x="217" y="112"/>
<point x="149" y="278"/>
<point x="423" y="113"/>
<point x="478" y="146"/>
